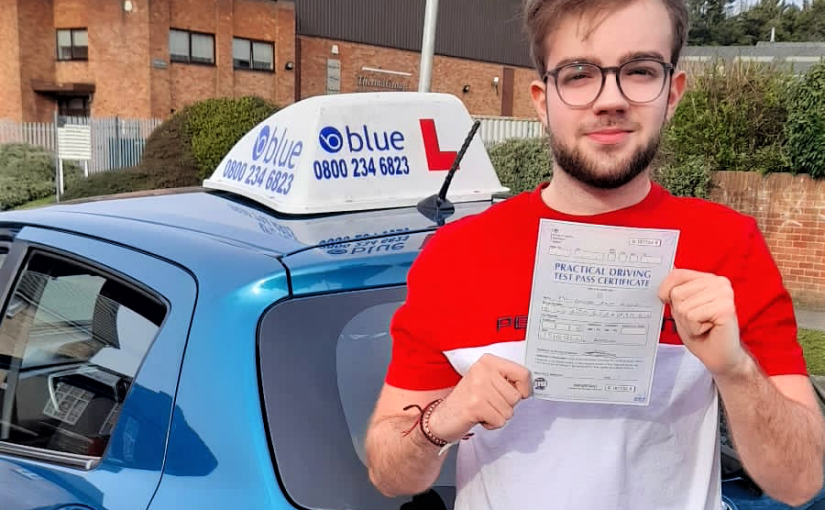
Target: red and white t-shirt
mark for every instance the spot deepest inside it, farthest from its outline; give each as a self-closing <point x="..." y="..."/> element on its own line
<point x="468" y="294"/>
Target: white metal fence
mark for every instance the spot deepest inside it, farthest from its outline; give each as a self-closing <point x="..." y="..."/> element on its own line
<point x="102" y="144"/>
<point x="498" y="129"/>
<point x="99" y="144"/>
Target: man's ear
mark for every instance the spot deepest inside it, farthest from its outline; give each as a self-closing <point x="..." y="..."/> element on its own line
<point x="539" y="96"/>
<point x="678" y="84"/>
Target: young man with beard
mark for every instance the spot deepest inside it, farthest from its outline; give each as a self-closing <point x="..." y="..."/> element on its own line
<point x="608" y="86"/>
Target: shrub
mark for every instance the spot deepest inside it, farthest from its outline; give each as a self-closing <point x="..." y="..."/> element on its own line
<point x="214" y="126"/>
<point x="522" y="164"/>
<point x="168" y="153"/>
<point x="805" y="128"/>
<point x="27" y="173"/>
<point x="692" y="177"/>
<point x="111" y="182"/>
<point x="732" y="117"/>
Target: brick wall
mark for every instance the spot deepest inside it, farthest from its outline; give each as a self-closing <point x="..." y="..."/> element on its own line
<point x="523" y="105"/>
<point x="11" y="106"/>
<point x="37" y="57"/>
<point x="269" y="21"/>
<point x="266" y="21"/>
<point x="133" y="76"/>
<point x="790" y="211"/>
<point x="159" y="81"/>
<point x="285" y="52"/>
<point x="118" y="55"/>
<point x="449" y="75"/>
<point x="129" y="54"/>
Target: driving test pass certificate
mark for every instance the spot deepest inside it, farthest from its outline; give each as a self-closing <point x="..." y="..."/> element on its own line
<point x="595" y="315"/>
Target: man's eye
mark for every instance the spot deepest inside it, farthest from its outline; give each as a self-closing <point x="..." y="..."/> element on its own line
<point x="578" y="76"/>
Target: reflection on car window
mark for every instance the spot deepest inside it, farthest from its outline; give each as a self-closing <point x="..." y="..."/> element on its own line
<point x="341" y="361"/>
<point x="71" y="341"/>
<point x="362" y="355"/>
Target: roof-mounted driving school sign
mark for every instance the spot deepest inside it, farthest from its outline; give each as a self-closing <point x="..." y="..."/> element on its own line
<point x="358" y="151"/>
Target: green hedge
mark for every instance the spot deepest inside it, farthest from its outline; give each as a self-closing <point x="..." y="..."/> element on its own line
<point x="805" y="129"/>
<point x="522" y="163"/>
<point x="214" y="126"/>
<point x="735" y="118"/>
<point x="27" y="173"/>
<point x="110" y="183"/>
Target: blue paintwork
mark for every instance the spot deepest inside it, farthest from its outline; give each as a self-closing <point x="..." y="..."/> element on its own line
<point x="221" y="263"/>
<point x="207" y="217"/>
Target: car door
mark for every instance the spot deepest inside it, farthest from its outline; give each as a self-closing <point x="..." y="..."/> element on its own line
<point x="91" y="340"/>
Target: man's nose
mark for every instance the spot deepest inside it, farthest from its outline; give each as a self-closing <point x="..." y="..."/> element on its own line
<point x="611" y="98"/>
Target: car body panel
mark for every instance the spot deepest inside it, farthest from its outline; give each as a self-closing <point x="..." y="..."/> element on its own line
<point x="127" y="475"/>
<point x="219" y="395"/>
<point x="371" y="249"/>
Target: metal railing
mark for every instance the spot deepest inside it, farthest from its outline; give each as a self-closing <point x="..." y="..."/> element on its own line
<point x="101" y="144"/>
<point x="498" y="129"/>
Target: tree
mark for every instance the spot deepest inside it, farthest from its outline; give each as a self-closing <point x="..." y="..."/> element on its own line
<point x="810" y="22"/>
<point x="705" y="16"/>
<point x="713" y="22"/>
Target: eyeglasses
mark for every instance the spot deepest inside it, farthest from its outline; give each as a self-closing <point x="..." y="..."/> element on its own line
<point x="640" y="81"/>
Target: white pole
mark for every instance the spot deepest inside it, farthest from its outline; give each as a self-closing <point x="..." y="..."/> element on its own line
<point x="428" y="46"/>
<point x="56" y="157"/>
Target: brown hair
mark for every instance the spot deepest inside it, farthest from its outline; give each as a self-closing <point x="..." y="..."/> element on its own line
<point x="541" y="17"/>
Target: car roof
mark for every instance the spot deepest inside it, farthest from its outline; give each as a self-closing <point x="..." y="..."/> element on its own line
<point x="224" y="217"/>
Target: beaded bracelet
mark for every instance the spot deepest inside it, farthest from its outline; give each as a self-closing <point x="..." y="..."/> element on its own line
<point x="423" y="422"/>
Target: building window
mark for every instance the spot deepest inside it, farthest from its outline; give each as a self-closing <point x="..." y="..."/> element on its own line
<point x="255" y="55"/>
<point x="191" y="47"/>
<point x="72" y="44"/>
<point x="73" y="106"/>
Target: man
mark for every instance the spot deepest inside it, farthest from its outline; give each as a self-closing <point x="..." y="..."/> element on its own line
<point x="608" y="86"/>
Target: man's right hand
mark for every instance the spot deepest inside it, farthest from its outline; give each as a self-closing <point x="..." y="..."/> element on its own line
<point x="486" y="395"/>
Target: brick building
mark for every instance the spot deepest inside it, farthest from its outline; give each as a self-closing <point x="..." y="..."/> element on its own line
<point x="140" y="59"/>
<point x="145" y="59"/>
<point x="481" y="52"/>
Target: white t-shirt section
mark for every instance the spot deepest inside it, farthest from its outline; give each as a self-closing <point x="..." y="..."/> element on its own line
<point x="554" y="455"/>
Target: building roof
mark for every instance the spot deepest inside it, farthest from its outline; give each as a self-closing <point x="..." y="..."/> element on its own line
<point x="481" y="30"/>
<point x="801" y="56"/>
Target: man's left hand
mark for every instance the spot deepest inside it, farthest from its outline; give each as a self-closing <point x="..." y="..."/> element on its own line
<point x="705" y="314"/>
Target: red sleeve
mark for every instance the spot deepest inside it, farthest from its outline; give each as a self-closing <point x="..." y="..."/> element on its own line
<point x="418" y="362"/>
<point x="766" y="316"/>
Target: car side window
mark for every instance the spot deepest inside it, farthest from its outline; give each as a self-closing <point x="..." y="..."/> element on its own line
<point x="71" y="341"/>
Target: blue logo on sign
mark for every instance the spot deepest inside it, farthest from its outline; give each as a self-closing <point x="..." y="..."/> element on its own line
<point x="276" y="148"/>
<point x="331" y="140"/>
<point x="360" y="139"/>
<point x="337" y="251"/>
<point x="260" y="143"/>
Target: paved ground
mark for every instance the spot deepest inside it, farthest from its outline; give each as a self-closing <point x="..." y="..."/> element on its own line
<point x="810" y="319"/>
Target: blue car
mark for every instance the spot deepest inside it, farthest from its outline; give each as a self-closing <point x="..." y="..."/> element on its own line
<point x="223" y="346"/>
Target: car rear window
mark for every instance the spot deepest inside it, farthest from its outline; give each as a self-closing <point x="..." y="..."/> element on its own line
<point x="322" y="363"/>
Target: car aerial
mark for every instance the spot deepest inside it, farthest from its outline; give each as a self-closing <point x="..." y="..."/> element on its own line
<point x="223" y="346"/>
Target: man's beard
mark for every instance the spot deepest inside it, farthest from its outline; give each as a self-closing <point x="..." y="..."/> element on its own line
<point x="585" y="169"/>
